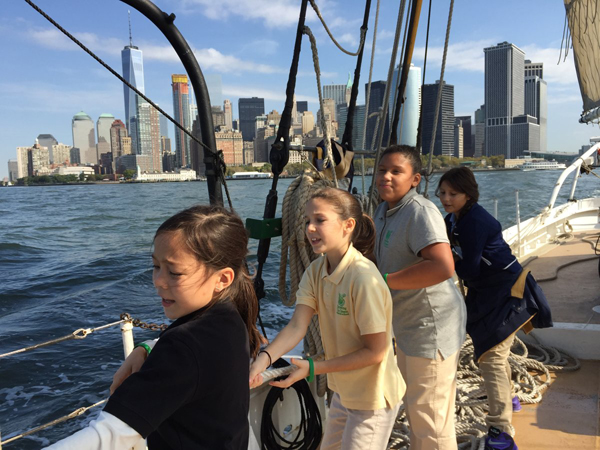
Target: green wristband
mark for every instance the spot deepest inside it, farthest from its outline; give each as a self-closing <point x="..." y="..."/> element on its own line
<point x="311" y="370"/>
<point x="385" y="278"/>
<point x="145" y="346"/>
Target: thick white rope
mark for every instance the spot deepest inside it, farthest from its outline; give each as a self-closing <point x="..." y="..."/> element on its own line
<point x="328" y="153"/>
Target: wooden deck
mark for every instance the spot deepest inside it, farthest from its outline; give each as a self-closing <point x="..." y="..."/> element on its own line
<point x="568" y="416"/>
<point x="576" y="288"/>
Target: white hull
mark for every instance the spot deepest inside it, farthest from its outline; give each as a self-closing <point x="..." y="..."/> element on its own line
<point x="539" y="235"/>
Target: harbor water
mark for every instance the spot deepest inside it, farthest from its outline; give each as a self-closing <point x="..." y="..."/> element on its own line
<point x="78" y="256"/>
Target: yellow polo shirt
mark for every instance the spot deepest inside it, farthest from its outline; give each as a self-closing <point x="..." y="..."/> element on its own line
<point x="353" y="301"/>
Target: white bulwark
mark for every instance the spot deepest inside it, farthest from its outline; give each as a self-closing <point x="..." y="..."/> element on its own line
<point x="180" y="175"/>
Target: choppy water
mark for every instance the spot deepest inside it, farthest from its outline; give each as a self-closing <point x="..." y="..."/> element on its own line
<point x="78" y="256"/>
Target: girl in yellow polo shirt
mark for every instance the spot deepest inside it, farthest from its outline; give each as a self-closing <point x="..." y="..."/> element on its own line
<point x="354" y="306"/>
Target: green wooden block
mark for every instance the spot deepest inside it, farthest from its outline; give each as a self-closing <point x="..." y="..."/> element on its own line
<point x="264" y="228"/>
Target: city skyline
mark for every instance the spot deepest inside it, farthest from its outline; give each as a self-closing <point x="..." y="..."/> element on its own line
<point x="257" y="63"/>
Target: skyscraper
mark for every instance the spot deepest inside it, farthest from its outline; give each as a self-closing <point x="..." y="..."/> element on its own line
<point x="357" y="126"/>
<point x="337" y="92"/>
<point x="479" y="149"/>
<point x="149" y="132"/>
<point x="444" y="136"/>
<point x="13" y="170"/>
<point x="536" y="103"/>
<point x="465" y="123"/>
<point x="375" y="104"/>
<point x="408" y="122"/>
<point x="164" y="125"/>
<point x="301" y="106"/>
<point x="84" y="138"/>
<point x="103" y="125"/>
<point x="118" y="131"/>
<point x="215" y="89"/>
<point x="181" y="110"/>
<point x="504" y="96"/>
<point x="47" y="140"/>
<point x="133" y="71"/>
<point x="248" y="109"/>
<point x="228" y="111"/>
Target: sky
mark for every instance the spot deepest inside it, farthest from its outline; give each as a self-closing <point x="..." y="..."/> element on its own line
<point x="45" y="79"/>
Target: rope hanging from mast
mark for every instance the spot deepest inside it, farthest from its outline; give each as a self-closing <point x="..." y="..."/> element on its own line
<point x="438" y="102"/>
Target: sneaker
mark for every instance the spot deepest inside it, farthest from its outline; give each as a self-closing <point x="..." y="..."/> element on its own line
<point x="516" y="404"/>
<point x="499" y="440"/>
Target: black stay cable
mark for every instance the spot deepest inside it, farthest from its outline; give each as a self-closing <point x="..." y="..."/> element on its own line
<point x="310" y="430"/>
<point x="420" y="127"/>
<point x="279" y="155"/>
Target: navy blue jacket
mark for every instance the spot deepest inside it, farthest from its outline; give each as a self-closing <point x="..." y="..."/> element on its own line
<point x="484" y="261"/>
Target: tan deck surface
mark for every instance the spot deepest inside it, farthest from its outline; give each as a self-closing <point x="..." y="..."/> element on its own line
<point x="568" y="416"/>
<point x="576" y="290"/>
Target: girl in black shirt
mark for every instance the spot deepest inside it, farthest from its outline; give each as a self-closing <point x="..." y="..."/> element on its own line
<point x="192" y="391"/>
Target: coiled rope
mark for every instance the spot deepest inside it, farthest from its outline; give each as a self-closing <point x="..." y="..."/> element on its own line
<point x="310" y="430"/>
<point x="530" y="364"/>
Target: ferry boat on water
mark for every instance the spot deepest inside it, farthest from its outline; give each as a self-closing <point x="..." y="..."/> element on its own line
<point x="542" y="165"/>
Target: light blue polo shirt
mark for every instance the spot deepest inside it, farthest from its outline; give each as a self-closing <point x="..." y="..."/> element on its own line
<point x="429" y="319"/>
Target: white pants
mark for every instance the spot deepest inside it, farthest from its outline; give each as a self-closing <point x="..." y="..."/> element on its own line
<point x="355" y="429"/>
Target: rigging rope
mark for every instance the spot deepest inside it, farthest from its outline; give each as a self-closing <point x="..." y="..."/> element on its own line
<point x="438" y="102"/>
<point x="420" y="128"/>
<point x="329" y="155"/>
<point x="72" y="415"/>
<point x="363" y="32"/>
<point x="80" y="333"/>
<point x="386" y="99"/>
<point x="368" y="97"/>
<point x="220" y="163"/>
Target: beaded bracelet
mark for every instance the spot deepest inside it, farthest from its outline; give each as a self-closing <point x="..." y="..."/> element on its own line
<point x="311" y="370"/>
<point x="269" y="355"/>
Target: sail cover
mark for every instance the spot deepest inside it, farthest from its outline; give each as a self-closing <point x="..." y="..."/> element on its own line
<point x="584" y="25"/>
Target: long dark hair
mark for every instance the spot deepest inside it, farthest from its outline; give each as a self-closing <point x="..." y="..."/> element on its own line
<point x="347" y="206"/>
<point x="462" y="180"/>
<point x="218" y="239"/>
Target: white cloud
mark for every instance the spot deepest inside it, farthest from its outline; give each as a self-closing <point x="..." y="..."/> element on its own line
<point x="274" y="13"/>
<point x="466" y="55"/>
<point x="54" y="39"/>
<point x="208" y="58"/>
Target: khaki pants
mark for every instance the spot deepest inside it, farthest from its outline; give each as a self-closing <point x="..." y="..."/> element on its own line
<point x="496" y="374"/>
<point x="430" y="400"/>
<point x="355" y="429"/>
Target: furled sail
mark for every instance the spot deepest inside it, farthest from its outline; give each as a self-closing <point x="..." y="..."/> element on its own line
<point x="584" y="25"/>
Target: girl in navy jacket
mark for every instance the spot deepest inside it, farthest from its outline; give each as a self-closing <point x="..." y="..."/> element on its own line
<point x="501" y="297"/>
